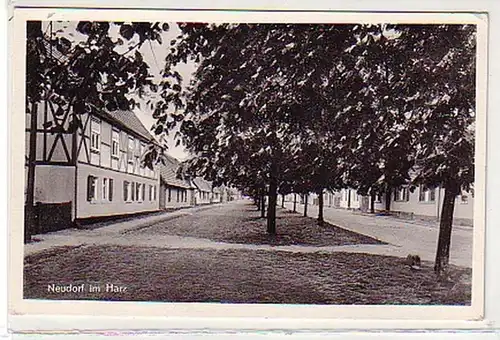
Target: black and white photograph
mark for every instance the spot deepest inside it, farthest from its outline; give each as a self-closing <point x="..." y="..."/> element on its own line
<point x="287" y="163"/>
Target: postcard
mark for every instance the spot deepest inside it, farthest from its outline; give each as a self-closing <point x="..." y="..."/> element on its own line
<point x="248" y="164"/>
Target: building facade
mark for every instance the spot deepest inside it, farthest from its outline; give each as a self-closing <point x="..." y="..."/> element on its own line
<point x="95" y="169"/>
<point x="421" y="202"/>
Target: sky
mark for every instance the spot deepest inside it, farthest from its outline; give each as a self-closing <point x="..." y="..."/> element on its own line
<point x="154" y="55"/>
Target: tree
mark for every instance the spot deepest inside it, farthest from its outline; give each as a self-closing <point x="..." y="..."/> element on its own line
<point x="383" y="155"/>
<point x="254" y="82"/>
<point x="429" y="91"/>
<point x="445" y="125"/>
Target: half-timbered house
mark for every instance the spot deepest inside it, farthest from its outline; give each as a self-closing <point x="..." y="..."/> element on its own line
<point x="91" y="170"/>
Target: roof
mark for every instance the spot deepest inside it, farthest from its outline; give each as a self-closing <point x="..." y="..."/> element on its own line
<point x="129" y="120"/>
<point x="202" y="184"/>
<point x="168" y="174"/>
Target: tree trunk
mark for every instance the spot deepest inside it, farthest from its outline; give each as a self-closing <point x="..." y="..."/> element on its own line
<point x="271" y="209"/>
<point x="294" y="202"/>
<point x="320" y="207"/>
<point x="388" y="195"/>
<point x="262" y="206"/>
<point x="305" y="204"/>
<point x="373" y="197"/>
<point x="445" y="227"/>
<point x="283" y="200"/>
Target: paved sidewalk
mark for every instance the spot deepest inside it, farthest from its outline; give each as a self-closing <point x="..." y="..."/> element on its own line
<point x="108" y="233"/>
<point x="405" y="237"/>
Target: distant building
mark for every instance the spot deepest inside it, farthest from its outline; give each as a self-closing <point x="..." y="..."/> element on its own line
<point x="425" y="201"/>
<point x="175" y="191"/>
<point x="422" y="202"/>
<point x="217" y="195"/>
<point x="203" y="191"/>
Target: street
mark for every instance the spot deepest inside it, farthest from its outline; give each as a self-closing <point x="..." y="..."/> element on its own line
<point x="406" y="237"/>
<point x="221" y="253"/>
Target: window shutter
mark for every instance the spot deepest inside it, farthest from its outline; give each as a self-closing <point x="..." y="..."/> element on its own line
<point x="110" y="193"/>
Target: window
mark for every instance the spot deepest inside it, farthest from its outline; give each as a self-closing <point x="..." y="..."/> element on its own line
<point x="138" y="192"/>
<point x="110" y="189"/>
<point x="91" y="188"/>
<point x="104" y="189"/>
<point x="169" y="194"/>
<point x="127" y="191"/>
<point x="131" y="145"/>
<point x="426" y="194"/>
<point x="115" y="144"/>
<point x="132" y="191"/>
<point x="402" y="194"/>
<point x="143" y="193"/>
<point x="152" y="193"/>
<point x="107" y="189"/>
<point x="95" y="135"/>
<point x="178" y="192"/>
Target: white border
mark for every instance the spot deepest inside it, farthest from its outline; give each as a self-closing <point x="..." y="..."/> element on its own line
<point x="216" y="312"/>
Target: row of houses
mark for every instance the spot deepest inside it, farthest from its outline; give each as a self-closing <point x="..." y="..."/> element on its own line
<point x="421" y="202"/>
<point x="96" y="170"/>
<point x="178" y="192"/>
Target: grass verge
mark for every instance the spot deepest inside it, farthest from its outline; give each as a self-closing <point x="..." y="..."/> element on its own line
<point x="240" y="276"/>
